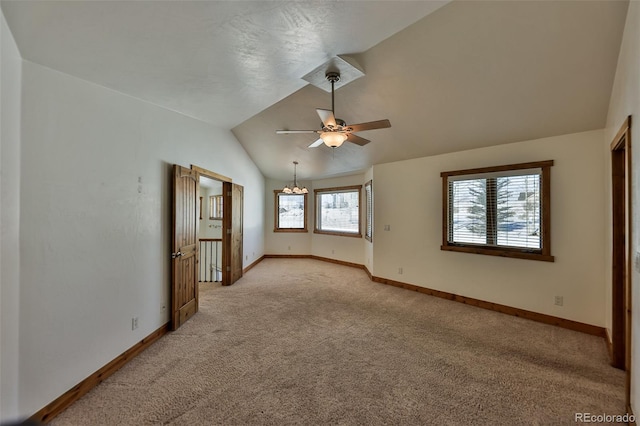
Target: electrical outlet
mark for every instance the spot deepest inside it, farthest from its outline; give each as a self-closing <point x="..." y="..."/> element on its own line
<point x="559" y="300"/>
<point x="134" y="323"/>
<point x="333" y="251"/>
<point x="399" y="271"/>
<point x="387" y="227"/>
<point x="289" y="247"/>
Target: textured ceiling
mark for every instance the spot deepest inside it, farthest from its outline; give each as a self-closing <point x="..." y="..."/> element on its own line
<point x="218" y="61"/>
<point x="448" y="76"/>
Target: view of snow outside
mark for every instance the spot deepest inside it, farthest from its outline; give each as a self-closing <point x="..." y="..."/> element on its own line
<point x="518" y="210"/>
<point x="339" y="212"/>
<point x="291" y="211"/>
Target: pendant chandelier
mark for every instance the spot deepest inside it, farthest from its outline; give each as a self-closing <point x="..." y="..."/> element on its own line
<point x="295" y="189"/>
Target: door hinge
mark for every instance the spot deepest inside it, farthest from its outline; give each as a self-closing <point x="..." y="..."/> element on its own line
<point x="229" y="231"/>
<point x="228" y="268"/>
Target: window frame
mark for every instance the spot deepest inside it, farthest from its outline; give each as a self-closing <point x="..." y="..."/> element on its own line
<point x="368" y="214"/>
<point x="318" y="206"/>
<point x="276" y="213"/>
<point x="543" y="253"/>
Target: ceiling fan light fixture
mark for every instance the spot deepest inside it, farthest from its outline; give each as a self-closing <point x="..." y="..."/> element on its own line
<point x="333" y="139"/>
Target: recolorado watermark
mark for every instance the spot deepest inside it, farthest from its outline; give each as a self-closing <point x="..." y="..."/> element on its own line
<point x="604" y="418"/>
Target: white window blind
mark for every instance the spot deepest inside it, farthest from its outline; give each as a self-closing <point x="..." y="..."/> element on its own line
<point x="496" y="209"/>
<point x="368" y="194"/>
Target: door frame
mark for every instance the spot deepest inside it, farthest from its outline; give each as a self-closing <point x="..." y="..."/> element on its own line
<point x="621" y="256"/>
<point x="226" y="213"/>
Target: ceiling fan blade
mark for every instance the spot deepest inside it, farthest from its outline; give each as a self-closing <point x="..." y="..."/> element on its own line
<point x="290" y="132"/>
<point x="327" y="117"/>
<point x="372" y="125"/>
<point x="357" y="139"/>
<point x="316" y="143"/>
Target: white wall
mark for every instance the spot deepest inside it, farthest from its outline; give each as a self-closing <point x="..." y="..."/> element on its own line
<point x="95" y="193"/>
<point x="408" y="197"/>
<point x="625" y="101"/>
<point x="10" y="83"/>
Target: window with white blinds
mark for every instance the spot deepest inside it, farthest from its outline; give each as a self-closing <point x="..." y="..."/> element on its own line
<point x="368" y="214"/>
<point x="290" y="212"/>
<point x="338" y="211"/>
<point x="503" y="211"/>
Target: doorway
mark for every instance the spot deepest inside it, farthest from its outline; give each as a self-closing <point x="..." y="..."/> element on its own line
<point x="621" y="252"/>
<point x="221" y="202"/>
<point x="210" y="231"/>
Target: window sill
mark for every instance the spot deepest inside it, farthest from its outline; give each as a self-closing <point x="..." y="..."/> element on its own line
<point x="289" y="230"/>
<point x="502" y="252"/>
<point x="339" y="234"/>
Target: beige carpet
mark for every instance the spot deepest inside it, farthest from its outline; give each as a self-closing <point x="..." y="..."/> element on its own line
<point x="300" y="341"/>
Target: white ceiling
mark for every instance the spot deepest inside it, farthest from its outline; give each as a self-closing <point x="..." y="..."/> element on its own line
<point x="448" y="76"/>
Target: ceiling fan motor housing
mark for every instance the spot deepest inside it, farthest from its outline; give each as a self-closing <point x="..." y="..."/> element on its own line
<point x="340" y="125"/>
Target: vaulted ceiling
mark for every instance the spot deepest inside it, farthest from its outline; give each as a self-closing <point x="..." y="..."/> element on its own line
<point x="449" y="76"/>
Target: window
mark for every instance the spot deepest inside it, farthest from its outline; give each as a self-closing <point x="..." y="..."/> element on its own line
<point x="290" y="212"/>
<point x="368" y="215"/>
<point x="338" y="211"/>
<point x="215" y="207"/>
<point x="501" y="211"/>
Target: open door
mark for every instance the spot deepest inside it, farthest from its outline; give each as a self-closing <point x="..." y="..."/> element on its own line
<point x="184" y="256"/>
<point x="232" y="240"/>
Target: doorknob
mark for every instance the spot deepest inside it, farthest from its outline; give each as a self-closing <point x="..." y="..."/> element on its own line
<point x="176" y="255"/>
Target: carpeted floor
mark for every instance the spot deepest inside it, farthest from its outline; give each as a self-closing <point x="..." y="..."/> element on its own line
<point x="300" y="341"/>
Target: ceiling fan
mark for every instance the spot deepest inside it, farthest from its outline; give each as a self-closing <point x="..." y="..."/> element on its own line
<point x="335" y="131"/>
